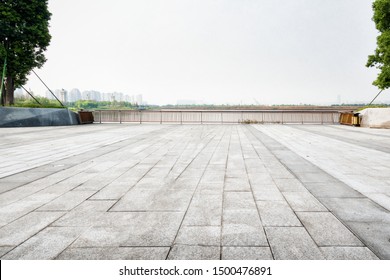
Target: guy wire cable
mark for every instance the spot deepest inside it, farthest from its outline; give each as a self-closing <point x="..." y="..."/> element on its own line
<point x="31" y="95"/>
<point x="48" y="88"/>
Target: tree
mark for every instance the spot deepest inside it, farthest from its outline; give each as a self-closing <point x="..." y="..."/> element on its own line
<point x="381" y="58"/>
<point x="24" y="35"/>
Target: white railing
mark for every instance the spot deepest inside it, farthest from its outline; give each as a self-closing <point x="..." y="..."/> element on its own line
<point x="217" y="116"/>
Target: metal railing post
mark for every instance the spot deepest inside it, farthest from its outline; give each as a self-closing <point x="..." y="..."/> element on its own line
<point x="120" y="116"/>
<point x="100" y="116"/>
<point x="221" y="117"/>
<point x="140" y="116"/>
<point x="201" y="117"/>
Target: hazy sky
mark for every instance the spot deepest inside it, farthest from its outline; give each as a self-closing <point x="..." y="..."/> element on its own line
<point x="218" y="51"/>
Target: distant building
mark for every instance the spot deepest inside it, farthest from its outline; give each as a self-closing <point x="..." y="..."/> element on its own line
<point x="74" y="95"/>
<point x="63" y="96"/>
<point x="91" y="95"/>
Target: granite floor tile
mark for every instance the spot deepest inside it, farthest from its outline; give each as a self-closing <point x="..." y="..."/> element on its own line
<point x="292" y="243"/>
<point x="327" y="230"/>
<point x="199" y="236"/>
<point x="46" y="245"/>
<point x="184" y="252"/>
<point x="277" y="214"/>
<point x="348" y="253"/>
<point x="246" y="253"/>
<point x="115" y="253"/>
<point x="22" y="229"/>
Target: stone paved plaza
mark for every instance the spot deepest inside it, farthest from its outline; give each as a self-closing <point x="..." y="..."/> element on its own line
<point x="121" y="191"/>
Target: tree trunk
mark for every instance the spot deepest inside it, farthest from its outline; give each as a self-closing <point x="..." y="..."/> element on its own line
<point x="3" y="97"/>
<point x="9" y="91"/>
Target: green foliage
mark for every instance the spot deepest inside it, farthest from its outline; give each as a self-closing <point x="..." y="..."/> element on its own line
<point x="101" y="105"/>
<point x="24" y="36"/>
<point x="31" y="103"/>
<point x="381" y="58"/>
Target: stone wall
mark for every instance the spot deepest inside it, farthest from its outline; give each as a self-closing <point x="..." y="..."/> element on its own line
<point x="21" y="117"/>
<point x="375" y="117"/>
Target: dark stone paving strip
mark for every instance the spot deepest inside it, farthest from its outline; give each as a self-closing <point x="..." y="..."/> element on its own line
<point x="369" y="221"/>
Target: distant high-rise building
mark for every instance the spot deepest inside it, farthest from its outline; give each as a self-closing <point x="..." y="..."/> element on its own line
<point x="74" y="95"/>
<point x="91" y="95"/>
<point x="63" y="96"/>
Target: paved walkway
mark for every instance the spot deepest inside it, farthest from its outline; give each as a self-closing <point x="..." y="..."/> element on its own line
<point x="194" y="192"/>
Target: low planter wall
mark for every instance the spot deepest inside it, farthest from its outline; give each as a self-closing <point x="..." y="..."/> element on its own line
<point x="375" y="117"/>
<point x="21" y="117"/>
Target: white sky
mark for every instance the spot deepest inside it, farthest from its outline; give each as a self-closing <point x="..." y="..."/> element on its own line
<point x="218" y="51"/>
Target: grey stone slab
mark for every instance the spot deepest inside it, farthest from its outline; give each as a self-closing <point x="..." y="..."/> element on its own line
<point x="334" y="189"/>
<point x="87" y="213"/>
<point x="150" y="183"/>
<point x="277" y="213"/>
<point x="357" y="209"/>
<point x="47" y="244"/>
<point x="292" y="243"/>
<point x="279" y="172"/>
<point x="213" y="176"/>
<point x="237" y="184"/>
<point x="327" y="230"/>
<point x="242" y="228"/>
<point x="205" y="188"/>
<point x="187" y="183"/>
<point x="67" y="201"/>
<point x="17" y="209"/>
<point x="100" y="181"/>
<point x="268" y="195"/>
<point x="289" y="185"/>
<point x="113" y="191"/>
<point x="135" y="229"/>
<point x="375" y="235"/>
<point x="184" y="252"/>
<point x="7" y="186"/>
<point x="4" y="250"/>
<point x="315" y="177"/>
<point x="154" y="200"/>
<point x="204" y="210"/>
<point x="348" y="253"/>
<point x="381" y="199"/>
<point x="18" y="231"/>
<point x="236" y="172"/>
<point x="303" y="201"/>
<point x="199" y="235"/>
<point x="115" y="253"/>
<point x="26" y="176"/>
<point x="239" y="201"/>
<point x="260" y="179"/>
<point x="246" y="253"/>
